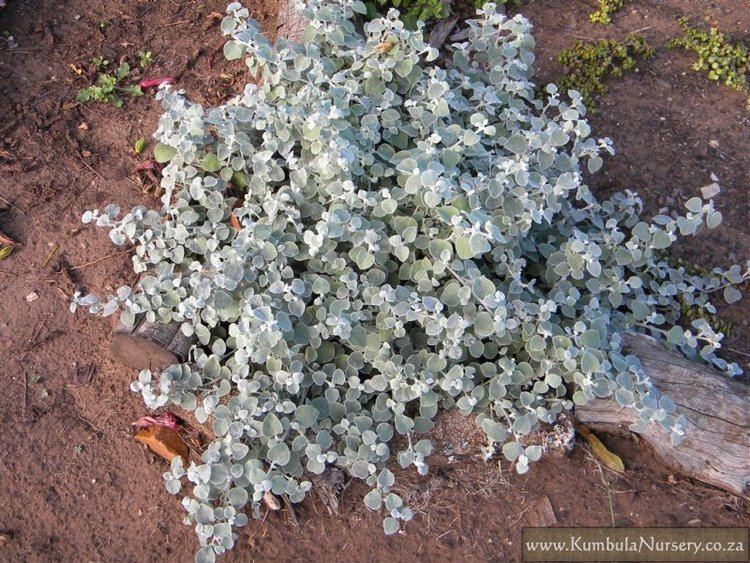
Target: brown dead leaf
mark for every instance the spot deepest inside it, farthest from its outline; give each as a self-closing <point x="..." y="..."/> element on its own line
<point x="77" y="69"/>
<point x="7" y="245"/>
<point x="613" y="461"/>
<point x="234" y="222"/>
<point x="384" y="47"/>
<point x="271" y="502"/>
<point x="163" y="442"/>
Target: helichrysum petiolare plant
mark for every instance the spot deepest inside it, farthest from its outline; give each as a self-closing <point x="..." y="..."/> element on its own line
<point x="411" y="239"/>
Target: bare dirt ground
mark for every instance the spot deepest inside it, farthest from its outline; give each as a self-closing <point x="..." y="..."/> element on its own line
<point x="74" y="485"/>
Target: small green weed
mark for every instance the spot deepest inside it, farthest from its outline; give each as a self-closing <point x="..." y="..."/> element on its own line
<point x="110" y="88"/>
<point x="689" y="311"/>
<point x="100" y="63"/>
<point x="139" y="146"/>
<point x="606" y="8"/>
<point x="145" y="59"/>
<point x="719" y="57"/>
<point x="588" y="65"/>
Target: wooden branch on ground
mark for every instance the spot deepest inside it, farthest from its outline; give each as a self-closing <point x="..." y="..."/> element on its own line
<point x="716" y="447"/>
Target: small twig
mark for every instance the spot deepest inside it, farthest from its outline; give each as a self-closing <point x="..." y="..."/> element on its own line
<point x="609" y="495"/>
<point x="87" y="165"/>
<point x="736" y="351"/>
<point x="25" y="394"/>
<point x="102" y="259"/>
<point x="258" y="527"/>
<point x="12" y="204"/>
<point x="646" y="28"/>
<point x="292" y="512"/>
<point x="50" y="255"/>
<point x="94" y="426"/>
<point x="172" y="24"/>
<point x="8" y="274"/>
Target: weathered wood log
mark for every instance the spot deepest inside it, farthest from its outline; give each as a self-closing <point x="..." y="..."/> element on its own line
<point x="150" y="345"/>
<point x="716" y="446"/>
<point x="441" y="31"/>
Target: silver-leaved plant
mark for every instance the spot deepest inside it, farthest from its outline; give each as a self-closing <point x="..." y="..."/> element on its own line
<point x="363" y="239"/>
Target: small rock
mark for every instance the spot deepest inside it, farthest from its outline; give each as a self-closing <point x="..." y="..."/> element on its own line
<point x="85" y="153"/>
<point x="5" y="538"/>
<point x="714" y="143"/>
<point x="84" y="126"/>
<point x="542" y="515"/>
<point x="32" y="297"/>
<point x="711" y="190"/>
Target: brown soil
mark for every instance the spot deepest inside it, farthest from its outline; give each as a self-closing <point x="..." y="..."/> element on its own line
<point x="75" y="485"/>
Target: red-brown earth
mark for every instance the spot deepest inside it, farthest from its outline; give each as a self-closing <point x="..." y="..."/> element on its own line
<point x="75" y="485"/>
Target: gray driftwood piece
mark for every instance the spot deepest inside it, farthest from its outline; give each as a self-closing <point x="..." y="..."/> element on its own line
<point x="716" y="447"/>
<point x="150" y="345"/>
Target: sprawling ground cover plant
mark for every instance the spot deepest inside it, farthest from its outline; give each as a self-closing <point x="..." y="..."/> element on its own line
<point x="361" y="239"/>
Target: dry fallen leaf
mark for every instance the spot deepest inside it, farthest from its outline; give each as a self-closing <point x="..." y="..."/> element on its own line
<point x="234" y="222"/>
<point x="271" y="502"/>
<point x="613" y="461"/>
<point x="167" y="420"/>
<point x="163" y="442"/>
<point x="384" y="47"/>
<point x="7" y="245"/>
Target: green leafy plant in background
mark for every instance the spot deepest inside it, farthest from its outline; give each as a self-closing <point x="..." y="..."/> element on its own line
<point x="139" y="146"/>
<point x="606" y="9"/>
<point x="719" y="57"/>
<point x="412" y="11"/>
<point x="145" y="58"/>
<point x="690" y="313"/>
<point x="410" y="239"/>
<point x="110" y="88"/>
<point x="589" y="65"/>
<point x="100" y="63"/>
